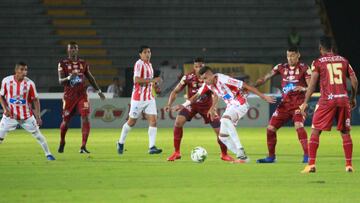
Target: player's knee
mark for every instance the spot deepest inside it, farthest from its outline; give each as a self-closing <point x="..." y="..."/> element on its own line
<point x="131" y="122"/>
<point x="85" y="119"/>
<point x="298" y="125"/>
<point x="271" y="128"/>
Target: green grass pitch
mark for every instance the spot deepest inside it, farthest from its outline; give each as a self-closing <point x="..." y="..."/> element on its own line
<point x="104" y="176"/>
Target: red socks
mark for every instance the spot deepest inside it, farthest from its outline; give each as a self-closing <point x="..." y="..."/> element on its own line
<point x="63" y="130"/>
<point x="313" y="146"/>
<point x="348" y="148"/>
<point x="85" y="133"/>
<point x="222" y="146"/>
<point x="178" y="133"/>
<point x="271" y="142"/>
<point x="303" y="139"/>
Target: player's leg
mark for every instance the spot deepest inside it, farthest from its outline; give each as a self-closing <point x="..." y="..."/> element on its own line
<point x="215" y="124"/>
<point x="151" y="115"/>
<point x="6" y="124"/>
<point x="344" y="126"/>
<point x="85" y="130"/>
<point x="83" y="107"/>
<point x="134" y="113"/>
<point x="322" y="120"/>
<point x="180" y="121"/>
<point x="68" y="112"/>
<point x="278" y="119"/>
<point x="228" y="133"/>
<point x="31" y="126"/>
<point x="302" y="136"/>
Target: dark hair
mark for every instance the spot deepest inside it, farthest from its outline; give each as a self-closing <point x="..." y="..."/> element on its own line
<point x="72" y="43"/>
<point x="326" y="42"/>
<point x="204" y="70"/>
<point x="20" y="63"/>
<point x="293" y="49"/>
<point x="142" y="48"/>
<point x="199" y="60"/>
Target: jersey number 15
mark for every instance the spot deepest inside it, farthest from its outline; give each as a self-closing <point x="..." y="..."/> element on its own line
<point x="335" y="73"/>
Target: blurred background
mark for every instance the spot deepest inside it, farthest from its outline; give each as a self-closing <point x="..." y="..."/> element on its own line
<point x="109" y="32"/>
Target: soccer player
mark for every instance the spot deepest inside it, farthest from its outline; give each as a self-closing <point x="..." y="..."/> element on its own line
<point x="232" y="92"/>
<point x="142" y="100"/>
<point x="17" y="94"/>
<point x="295" y="79"/>
<point x="72" y="73"/>
<point x="332" y="71"/>
<point x="202" y="106"/>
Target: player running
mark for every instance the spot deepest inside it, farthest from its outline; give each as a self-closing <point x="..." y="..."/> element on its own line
<point x="201" y="106"/>
<point x="17" y="94"/>
<point x="295" y="79"/>
<point x="142" y="100"/>
<point x="72" y="73"/>
<point x="332" y="70"/>
<point x="231" y="91"/>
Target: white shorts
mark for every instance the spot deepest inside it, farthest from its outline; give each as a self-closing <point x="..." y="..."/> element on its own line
<point x="138" y="107"/>
<point x="236" y="112"/>
<point x="8" y="124"/>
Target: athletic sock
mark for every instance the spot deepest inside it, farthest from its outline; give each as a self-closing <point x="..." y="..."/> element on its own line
<point x="124" y="132"/>
<point x="229" y="144"/>
<point x="42" y="141"/>
<point x="63" y="130"/>
<point x="232" y="132"/>
<point x="313" y="146"/>
<point x="85" y="133"/>
<point x="222" y="146"/>
<point x="348" y="148"/>
<point x="178" y="133"/>
<point x="302" y="135"/>
<point x="271" y="142"/>
<point x="152" y="136"/>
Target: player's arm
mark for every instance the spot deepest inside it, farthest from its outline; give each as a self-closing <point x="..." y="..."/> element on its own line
<point x="62" y="78"/>
<point x="254" y="90"/>
<point x="354" y="86"/>
<point x="93" y="83"/>
<point x="3" y="102"/>
<point x="310" y="90"/>
<point x="267" y="77"/>
<point x="212" y="113"/>
<point x="143" y="81"/>
<point x="173" y="95"/>
<point x="34" y="98"/>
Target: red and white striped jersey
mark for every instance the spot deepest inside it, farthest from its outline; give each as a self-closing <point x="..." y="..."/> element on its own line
<point x="228" y="88"/>
<point x="143" y="92"/>
<point x="19" y="96"/>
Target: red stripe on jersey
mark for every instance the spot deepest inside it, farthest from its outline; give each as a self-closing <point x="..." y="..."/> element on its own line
<point x="18" y="84"/>
<point x="147" y="85"/>
<point x="11" y="96"/>
<point x="31" y="94"/>
<point x="24" y="97"/>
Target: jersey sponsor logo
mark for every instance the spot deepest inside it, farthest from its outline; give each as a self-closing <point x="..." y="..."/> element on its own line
<point x="232" y="82"/>
<point x="75" y="81"/>
<point x="17" y="101"/>
<point x="227" y="96"/>
<point x="288" y="88"/>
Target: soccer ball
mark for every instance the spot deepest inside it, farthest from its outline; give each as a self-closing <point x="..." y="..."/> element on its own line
<point x="198" y="154"/>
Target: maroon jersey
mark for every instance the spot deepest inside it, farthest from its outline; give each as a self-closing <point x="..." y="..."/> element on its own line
<point x="291" y="77"/>
<point x="193" y="84"/>
<point x="333" y="70"/>
<point x="76" y="87"/>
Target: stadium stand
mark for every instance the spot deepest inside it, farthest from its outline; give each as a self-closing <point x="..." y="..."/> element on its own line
<point x="109" y="32"/>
